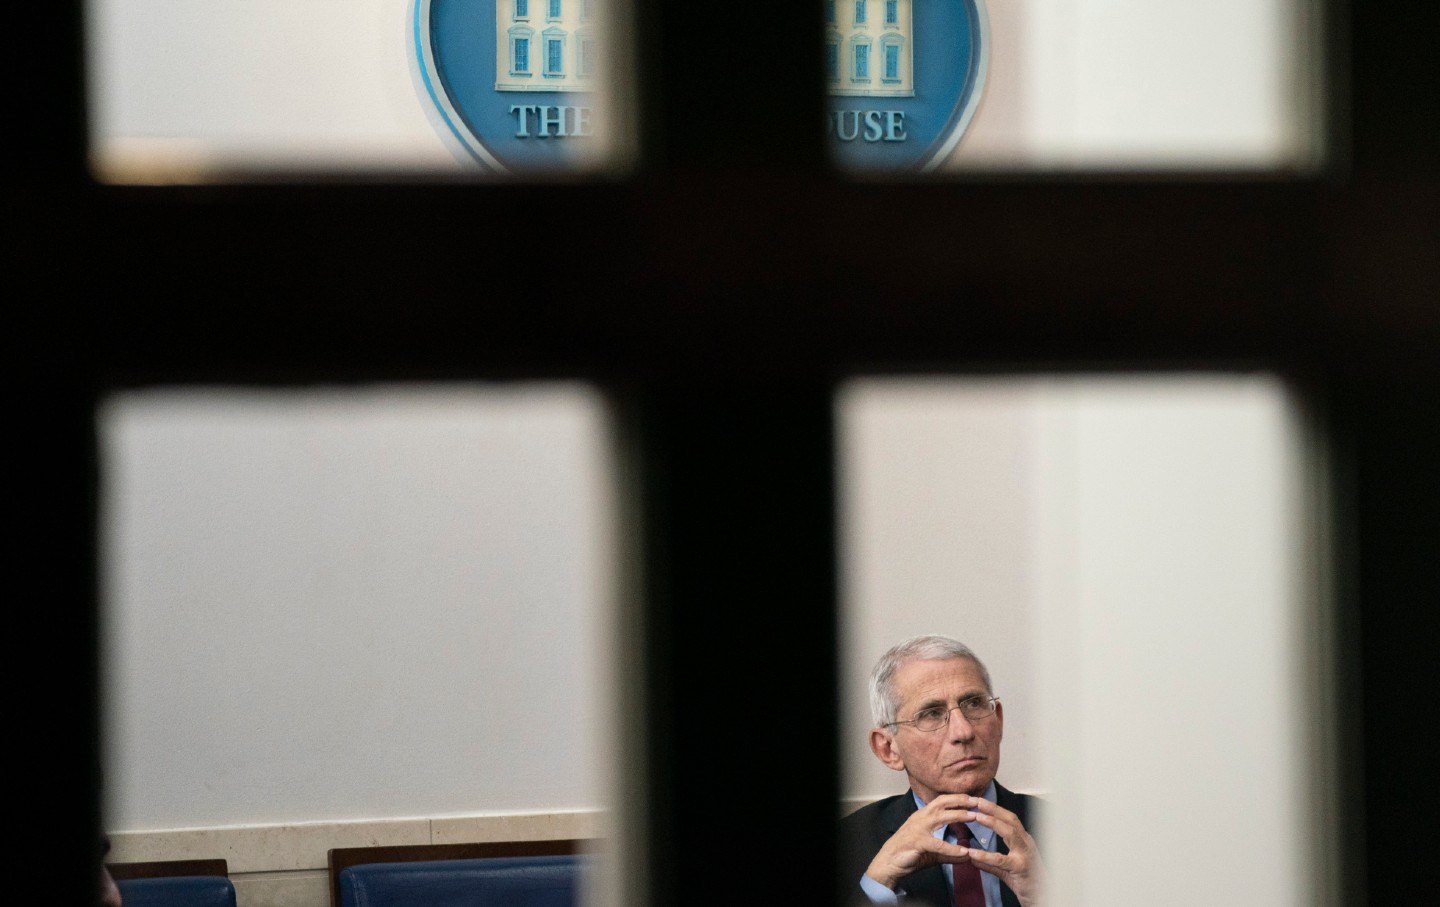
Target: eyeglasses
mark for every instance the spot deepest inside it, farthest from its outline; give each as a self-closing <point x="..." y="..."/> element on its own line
<point x="976" y="708"/>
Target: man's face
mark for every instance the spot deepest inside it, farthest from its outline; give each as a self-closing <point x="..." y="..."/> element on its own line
<point x="960" y="758"/>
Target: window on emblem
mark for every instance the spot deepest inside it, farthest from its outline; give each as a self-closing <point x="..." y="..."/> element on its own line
<point x="832" y="60"/>
<point x="892" y="63"/>
<point x="860" y="12"/>
<point x="586" y="63"/>
<point x="862" y="63"/>
<point x="522" y="9"/>
<point x="554" y="56"/>
<point x="520" y="50"/>
<point x="830" y="11"/>
<point x="554" y="11"/>
<point x="892" y="12"/>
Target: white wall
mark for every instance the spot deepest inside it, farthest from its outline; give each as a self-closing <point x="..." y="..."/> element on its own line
<point x="1176" y="592"/>
<point x="1147" y="84"/>
<point x="184" y="87"/>
<point x="333" y="605"/>
<point x="182" y="90"/>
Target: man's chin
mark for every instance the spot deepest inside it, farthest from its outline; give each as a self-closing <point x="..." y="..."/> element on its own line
<point x="972" y="780"/>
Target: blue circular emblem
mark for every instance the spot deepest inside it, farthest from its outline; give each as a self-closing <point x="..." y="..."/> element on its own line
<point x="512" y="80"/>
<point x="905" y="77"/>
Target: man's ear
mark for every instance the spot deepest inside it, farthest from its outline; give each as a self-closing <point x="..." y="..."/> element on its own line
<point x="882" y="744"/>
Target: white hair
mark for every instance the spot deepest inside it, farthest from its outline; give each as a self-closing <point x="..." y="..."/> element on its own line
<point x="884" y="700"/>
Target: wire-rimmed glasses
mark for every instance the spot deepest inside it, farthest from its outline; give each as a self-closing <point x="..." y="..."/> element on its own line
<point x="976" y="708"/>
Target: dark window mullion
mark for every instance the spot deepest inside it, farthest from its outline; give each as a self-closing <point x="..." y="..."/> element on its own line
<point x="736" y="497"/>
<point x="730" y="92"/>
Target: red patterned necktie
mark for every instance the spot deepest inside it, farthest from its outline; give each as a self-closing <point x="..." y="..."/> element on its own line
<point x="968" y="890"/>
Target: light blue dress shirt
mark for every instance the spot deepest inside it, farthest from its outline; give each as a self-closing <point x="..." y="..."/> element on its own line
<point x="985" y="839"/>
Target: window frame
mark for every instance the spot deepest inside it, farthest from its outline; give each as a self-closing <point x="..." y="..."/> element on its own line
<point x="1321" y="277"/>
<point x="555" y="41"/>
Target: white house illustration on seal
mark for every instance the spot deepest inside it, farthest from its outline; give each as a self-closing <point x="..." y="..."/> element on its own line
<point x="869" y="48"/>
<point x="545" y="45"/>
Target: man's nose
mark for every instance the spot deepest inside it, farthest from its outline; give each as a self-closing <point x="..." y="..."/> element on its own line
<point x="960" y="727"/>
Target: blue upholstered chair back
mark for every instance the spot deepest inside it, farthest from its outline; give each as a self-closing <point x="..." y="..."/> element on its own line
<point x="177" y="891"/>
<point x="491" y="882"/>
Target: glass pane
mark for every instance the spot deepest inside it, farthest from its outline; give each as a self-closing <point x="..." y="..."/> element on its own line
<point x="1082" y="85"/>
<point x="1135" y="560"/>
<point x="335" y="618"/>
<point x="232" y="89"/>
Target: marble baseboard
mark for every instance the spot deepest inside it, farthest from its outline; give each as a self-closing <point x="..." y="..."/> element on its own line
<point x="287" y="865"/>
<point x="308" y="888"/>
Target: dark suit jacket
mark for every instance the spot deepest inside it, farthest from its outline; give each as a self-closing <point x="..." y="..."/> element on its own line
<point x="865" y="831"/>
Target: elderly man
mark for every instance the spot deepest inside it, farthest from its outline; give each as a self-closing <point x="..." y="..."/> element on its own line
<point x="956" y="837"/>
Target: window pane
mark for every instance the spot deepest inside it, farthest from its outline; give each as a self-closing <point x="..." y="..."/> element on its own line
<point x="1136" y="562"/>
<point x="1092" y="84"/>
<point x="218" y="91"/>
<point x="380" y="616"/>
